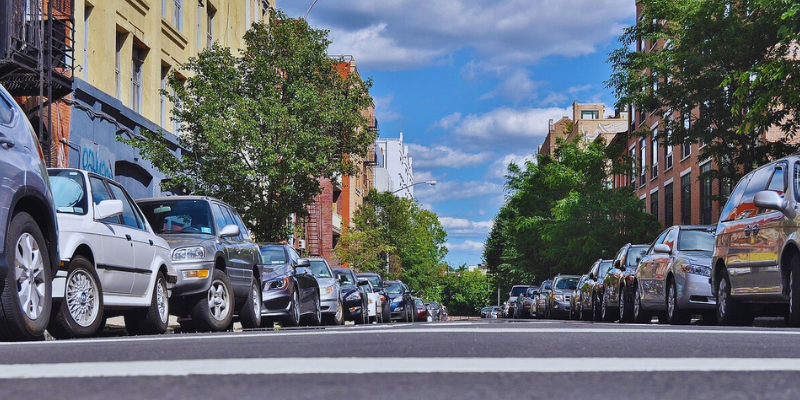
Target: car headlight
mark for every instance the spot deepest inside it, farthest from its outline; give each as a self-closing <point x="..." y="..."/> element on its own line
<point x="353" y="296"/>
<point x="397" y="300"/>
<point x="279" y="284"/>
<point x="696" y="269"/>
<point x="327" y="289"/>
<point x="559" y="297"/>
<point x="189" y="253"/>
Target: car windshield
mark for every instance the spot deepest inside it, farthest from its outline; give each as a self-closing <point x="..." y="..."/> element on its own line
<point x="568" y="283"/>
<point x="518" y="290"/>
<point x="603" y="269"/>
<point x="634" y="255"/>
<point x="69" y="192"/>
<point x="373" y="279"/>
<point x="179" y="216"/>
<point x="348" y="278"/>
<point x="320" y="269"/>
<point x="273" y="255"/>
<point x="696" y="240"/>
<point x="419" y="303"/>
<point x="394" y="288"/>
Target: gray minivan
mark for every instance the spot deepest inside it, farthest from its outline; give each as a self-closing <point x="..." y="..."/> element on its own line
<point x="28" y="227"/>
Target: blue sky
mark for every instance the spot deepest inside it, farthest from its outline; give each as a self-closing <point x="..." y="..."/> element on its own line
<point x="472" y="85"/>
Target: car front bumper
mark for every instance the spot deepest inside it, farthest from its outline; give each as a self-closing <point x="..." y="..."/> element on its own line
<point x="276" y="302"/>
<point x="183" y="286"/>
<point x="560" y="308"/>
<point x="695" y="293"/>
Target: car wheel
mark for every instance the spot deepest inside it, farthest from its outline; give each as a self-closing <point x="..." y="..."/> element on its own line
<point x="729" y="311"/>
<point x="214" y="311"/>
<point x="154" y="319"/>
<point x="315" y="319"/>
<point x="80" y="313"/>
<point x="387" y="313"/>
<point x="624" y="312"/>
<point x="293" y="319"/>
<point x="26" y="299"/>
<point x="604" y="310"/>
<point x="640" y="315"/>
<point x="597" y="312"/>
<point x="793" y="318"/>
<point x="250" y="315"/>
<point x="675" y="316"/>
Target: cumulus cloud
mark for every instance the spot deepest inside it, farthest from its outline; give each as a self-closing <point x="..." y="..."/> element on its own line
<point x="461" y="227"/>
<point x="443" y="156"/>
<point x="467" y="246"/>
<point x="397" y="34"/>
<point x="499" y="168"/>
<point x="448" y="121"/>
<point x="507" y="127"/>
<point x="384" y="109"/>
<point x="516" y="87"/>
<point x="449" y="190"/>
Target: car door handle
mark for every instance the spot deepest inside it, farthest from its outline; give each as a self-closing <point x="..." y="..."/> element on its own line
<point x="128" y="237"/>
<point x="755" y="229"/>
<point x="7" y="141"/>
<point x="747" y="230"/>
<point x="151" y="242"/>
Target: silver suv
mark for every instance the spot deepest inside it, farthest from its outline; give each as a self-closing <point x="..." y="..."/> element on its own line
<point x="756" y="257"/>
<point x="28" y="228"/>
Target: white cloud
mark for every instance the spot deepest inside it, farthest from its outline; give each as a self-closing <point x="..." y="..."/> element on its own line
<point x="499" y="168"/>
<point x="396" y="34"/>
<point x="443" y="156"/>
<point x="460" y="227"/>
<point x="516" y="86"/>
<point x="384" y="110"/>
<point x="507" y="127"/>
<point x="449" y="190"/>
<point x="467" y="246"/>
<point x="448" y="121"/>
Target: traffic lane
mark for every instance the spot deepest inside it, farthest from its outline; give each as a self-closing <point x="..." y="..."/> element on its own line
<point x="494" y="340"/>
<point x="435" y="386"/>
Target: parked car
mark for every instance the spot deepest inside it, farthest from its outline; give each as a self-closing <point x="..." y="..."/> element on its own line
<point x="422" y="311"/>
<point x="485" y="312"/>
<point x="402" y="305"/>
<point x="217" y="266"/>
<point x="593" y="289"/>
<point x="373" y="299"/>
<point x="290" y="289"/>
<point x="495" y="312"/>
<point x="756" y="257"/>
<point x="113" y="262"/>
<point x="377" y="285"/>
<point x="434" y="311"/>
<point x="524" y="302"/>
<point x="331" y="302"/>
<point x="561" y="295"/>
<point x="542" y="299"/>
<point x="27" y="222"/>
<point x="672" y="279"/>
<point x="356" y="300"/>
<point x="575" y="311"/>
<point x="516" y="290"/>
<point x="618" y="296"/>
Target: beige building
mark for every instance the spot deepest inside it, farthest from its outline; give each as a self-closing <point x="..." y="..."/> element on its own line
<point x="587" y="124"/>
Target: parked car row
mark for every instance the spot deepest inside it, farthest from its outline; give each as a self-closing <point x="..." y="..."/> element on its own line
<point x="748" y="265"/>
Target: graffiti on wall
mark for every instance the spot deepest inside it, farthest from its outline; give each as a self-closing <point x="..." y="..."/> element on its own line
<point x="96" y="158"/>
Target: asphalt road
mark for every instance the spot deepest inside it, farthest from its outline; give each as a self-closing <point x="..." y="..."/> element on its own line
<point x="482" y="359"/>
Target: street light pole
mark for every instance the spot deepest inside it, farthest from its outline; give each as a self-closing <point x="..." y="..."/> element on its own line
<point x="431" y="182"/>
<point x="305" y="16"/>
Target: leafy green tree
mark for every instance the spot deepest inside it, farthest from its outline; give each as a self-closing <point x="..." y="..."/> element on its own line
<point x="464" y="292"/>
<point x="258" y="129"/>
<point x="715" y="75"/>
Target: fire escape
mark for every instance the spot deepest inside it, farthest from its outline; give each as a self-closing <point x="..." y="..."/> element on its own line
<point x="36" y="57"/>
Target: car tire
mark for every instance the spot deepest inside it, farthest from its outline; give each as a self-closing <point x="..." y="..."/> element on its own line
<point x="154" y="319"/>
<point x="26" y="318"/>
<point x="293" y="319"/>
<point x="729" y="311"/>
<point x="80" y="313"/>
<point x="387" y="313"/>
<point x="315" y="319"/>
<point x="624" y="311"/>
<point x="250" y="314"/>
<point x="219" y="297"/>
<point x="337" y="318"/>
<point x="793" y="318"/>
<point x="675" y="316"/>
<point x="605" y="311"/>
<point x="640" y="315"/>
<point x="597" y="312"/>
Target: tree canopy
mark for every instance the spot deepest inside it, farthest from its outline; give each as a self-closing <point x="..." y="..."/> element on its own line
<point x="560" y="215"/>
<point x="259" y="128"/>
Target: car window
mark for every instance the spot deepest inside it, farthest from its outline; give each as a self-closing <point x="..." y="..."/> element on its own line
<point x="758" y="182"/>
<point x="178" y="216"/>
<point x="394" y="288"/>
<point x="696" y="240"/>
<point x="243" y="231"/>
<point x="672" y="236"/>
<point x="348" y="277"/>
<point x="100" y="193"/>
<point x="320" y="269"/>
<point x="635" y="255"/>
<point x="273" y="255"/>
<point x="374" y="280"/>
<point x="603" y="269"/>
<point x="729" y="211"/>
<point x="129" y="217"/>
<point x="69" y="192"/>
<point x="778" y="181"/>
<point x="516" y="291"/>
<point x="6" y="111"/>
<point x="567" y="283"/>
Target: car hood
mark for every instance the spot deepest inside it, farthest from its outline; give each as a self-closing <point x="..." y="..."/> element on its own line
<point x="188" y="239"/>
<point x="396" y="297"/>
<point x="277" y="271"/>
<point x="323" y="282"/>
<point x="512" y="299"/>
<point x="701" y="258"/>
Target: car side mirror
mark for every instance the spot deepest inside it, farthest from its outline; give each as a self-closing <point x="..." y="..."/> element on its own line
<point x="772" y="201"/>
<point x="413" y="291"/>
<point x="107" y="208"/>
<point x="661" y="248"/>
<point x="616" y="264"/>
<point x="229" y="231"/>
<point x="341" y="278"/>
<point x="407" y="292"/>
<point x="303" y="262"/>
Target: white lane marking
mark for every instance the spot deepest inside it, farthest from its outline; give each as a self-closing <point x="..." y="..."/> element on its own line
<point x="303" y="366"/>
<point x="358" y="330"/>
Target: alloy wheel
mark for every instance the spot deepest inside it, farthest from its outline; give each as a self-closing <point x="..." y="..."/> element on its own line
<point x="161" y="300"/>
<point x="82" y="298"/>
<point x="30" y="276"/>
<point x="256" y="299"/>
<point x="671" y="301"/>
<point x="218" y="300"/>
<point x="622" y="301"/>
<point x="722" y="299"/>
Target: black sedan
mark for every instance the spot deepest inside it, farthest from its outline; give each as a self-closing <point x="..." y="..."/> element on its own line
<point x="402" y="304"/>
<point x="356" y="302"/>
<point x="289" y="289"/>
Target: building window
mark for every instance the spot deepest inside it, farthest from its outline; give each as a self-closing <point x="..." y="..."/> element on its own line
<point x="210" y="25"/>
<point x="247" y="13"/>
<point x="705" y="194"/>
<point x="643" y="165"/>
<point x="199" y="26"/>
<point x="176" y="126"/>
<point x="654" y="204"/>
<point x="136" y="79"/>
<point x="668" y="205"/>
<point x="590" y="114"/>
<point x="686" y="147"/>
<point x="164" y="74"/>
<point x="654" y="153"/>
<point x="164" y="8"/>
<point x="633" y="166"/>
<point x="686" y="199"/>
<point x="668" y="158"/>
<point x="177" y="15"/>
<point x="86" y="12"/>
<point x="118" y="63"/>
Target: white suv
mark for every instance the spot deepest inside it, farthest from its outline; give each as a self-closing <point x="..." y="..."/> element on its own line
<point x="110" y="259"/>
